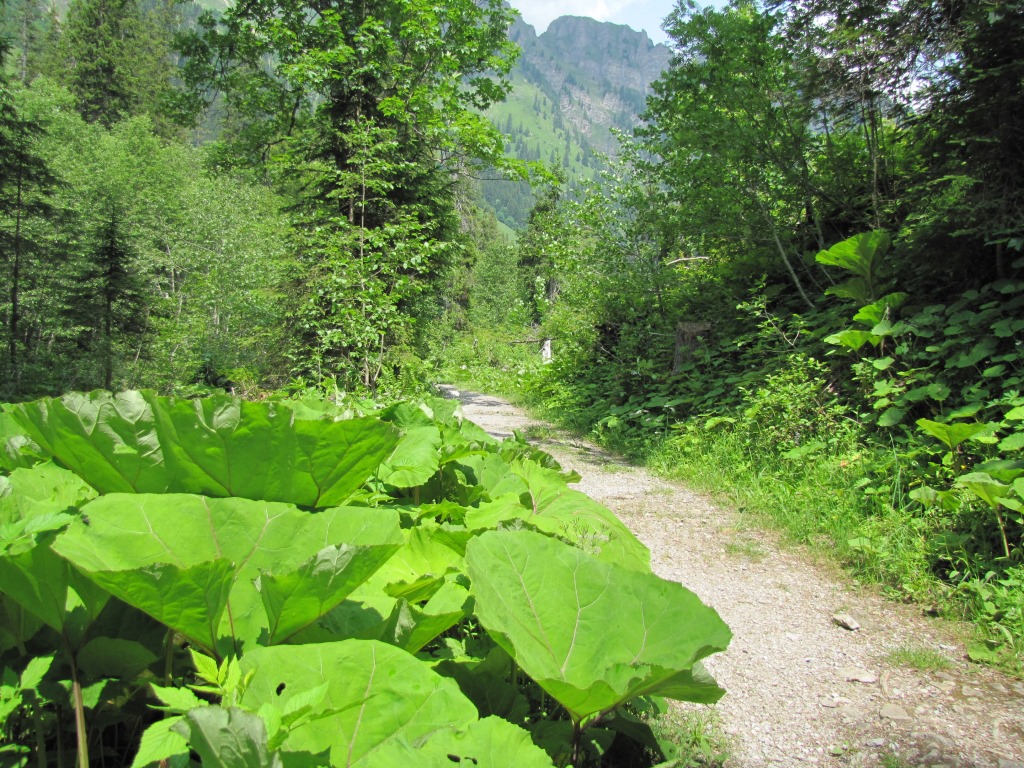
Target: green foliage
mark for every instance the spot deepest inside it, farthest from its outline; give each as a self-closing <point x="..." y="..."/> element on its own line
<point x="904" y="460"/>
<point x="798" y="277"/>
<point x="543" y="604"/>
<point x="321" y="634"/>
<point x="863" y="255"/>
<point x="216" y="446"/>
<point x="154" y="270"/>
<point x="369" y="112"/>
<point x="919" y="657"/>
<point x="116" y="59"/>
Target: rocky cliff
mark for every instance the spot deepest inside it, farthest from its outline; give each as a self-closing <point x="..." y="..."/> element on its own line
<point x="573" y="86"/>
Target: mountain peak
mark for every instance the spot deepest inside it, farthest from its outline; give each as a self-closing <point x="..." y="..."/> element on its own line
<point x="586" y="29"/>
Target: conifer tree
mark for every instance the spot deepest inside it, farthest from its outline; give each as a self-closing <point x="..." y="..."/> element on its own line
<point x="25" y="186"/>
<point x="115" y="59"/>
<point x="111" y="298"/>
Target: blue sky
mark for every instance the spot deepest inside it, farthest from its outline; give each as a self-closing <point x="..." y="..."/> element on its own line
<point x="638" y="14"/>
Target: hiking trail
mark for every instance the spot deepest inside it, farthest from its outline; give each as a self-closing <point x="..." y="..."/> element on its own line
<point x="801" y="689"/>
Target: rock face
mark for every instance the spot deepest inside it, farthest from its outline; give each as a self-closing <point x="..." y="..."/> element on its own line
<point x="597" y="73"/>
<point x="573" y="86"/>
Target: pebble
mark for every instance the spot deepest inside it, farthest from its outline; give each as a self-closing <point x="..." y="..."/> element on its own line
<point x="855" y="675"/>
<point x="850" y="713"/>
<point x="874" y="743"/>
<point x="846" y="621"/>
<point x="894" y="712"/>
<point x="934" y="739"/>
<point x="835" y="701"/>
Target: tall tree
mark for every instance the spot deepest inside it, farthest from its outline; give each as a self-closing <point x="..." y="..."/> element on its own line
<point x="730" y="135"/>
<point x="109" y="296"/>
<point x="98" y="44"/>
<point x="373" y="111"/>
<point x="973" y="127"/>
<point x="116" y="59"/>
<point x="25" y="186"/>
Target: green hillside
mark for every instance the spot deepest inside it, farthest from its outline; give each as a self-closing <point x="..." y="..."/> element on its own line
<point x="573" y="86"/>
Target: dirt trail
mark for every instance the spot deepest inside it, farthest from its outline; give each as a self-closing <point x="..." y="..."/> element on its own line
<point x="791" y="700"/>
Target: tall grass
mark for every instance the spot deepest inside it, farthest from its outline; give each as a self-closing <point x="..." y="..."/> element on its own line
<point x="818" y="500"/>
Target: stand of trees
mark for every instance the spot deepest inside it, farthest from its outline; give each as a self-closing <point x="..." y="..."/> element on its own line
<point x="267" y="195"/>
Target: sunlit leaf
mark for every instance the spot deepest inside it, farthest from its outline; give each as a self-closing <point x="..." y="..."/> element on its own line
<point x="218" y="446"/>
<point x="952" y="435"/>
<point x="381" y="696"/>
<point x="592" y="634"/>
<point x="140" y="545"/>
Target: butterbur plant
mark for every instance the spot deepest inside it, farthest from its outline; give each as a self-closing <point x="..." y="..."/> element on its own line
<point x="227" y="583"/>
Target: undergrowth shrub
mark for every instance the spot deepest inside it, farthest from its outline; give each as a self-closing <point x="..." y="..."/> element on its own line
<point x="794" y="408"/>
<point x="495" y="361"/>
<point x="888" y="432"/>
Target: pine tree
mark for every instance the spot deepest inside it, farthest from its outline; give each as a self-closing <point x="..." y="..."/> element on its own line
<point x="110" y="301"/>
<point x="25" y="186"/>
<point x="115" y="60"/>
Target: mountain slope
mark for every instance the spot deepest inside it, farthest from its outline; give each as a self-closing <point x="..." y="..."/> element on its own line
<point x="574" y="85"/>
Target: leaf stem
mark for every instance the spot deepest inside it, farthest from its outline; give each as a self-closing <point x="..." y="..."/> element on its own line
<point x="80" y="731"/>
<point x="37" y="715"/>
<point x="577" y="737"/>
<point x="169" y="658"/>
<point x="1002" y="531"/>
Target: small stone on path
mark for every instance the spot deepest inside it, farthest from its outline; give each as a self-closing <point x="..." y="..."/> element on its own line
<point x="846" y="621"/>
<point x="855" y="675"/>
<point x="894" y="712"/>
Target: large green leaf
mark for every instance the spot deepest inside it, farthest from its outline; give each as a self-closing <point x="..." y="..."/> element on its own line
<point x="417" y="456"/>
<point x="218" y="446"/>
<point x="488" y="743"/>
<point x="411" y="627"/>
<point x="549" y="505"/>
<point x="986" y="487"/>
<point x="48" y="588"/>
<point x="852" y="338"/>
<point x="43" y="490"/>
<point x="489" y="684"/>
<point x="228" y="738"/>
<point x="951" y="435"/>
<point x="860" y="254"/>
<point x="35" y="503"/>
<point x="874" y="313"/>
<point x="591" y="633"/>
<point x="384" y="698"/>
<point x="139" y="545"/>
<point x="295" y="599"/>
<point x="419" y="567"/>
<point x="17" y="449"/>
<point x="388" y="605"/>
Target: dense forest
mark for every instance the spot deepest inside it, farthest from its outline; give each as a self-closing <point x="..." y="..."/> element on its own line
<point x="206" y="203"/>
<point x="799" y="284"/>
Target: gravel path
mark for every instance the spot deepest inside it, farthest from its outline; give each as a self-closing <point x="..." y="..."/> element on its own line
<point x="801" y="689"/>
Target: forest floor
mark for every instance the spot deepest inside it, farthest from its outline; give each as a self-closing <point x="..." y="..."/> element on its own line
<point x="801" y="689"/>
